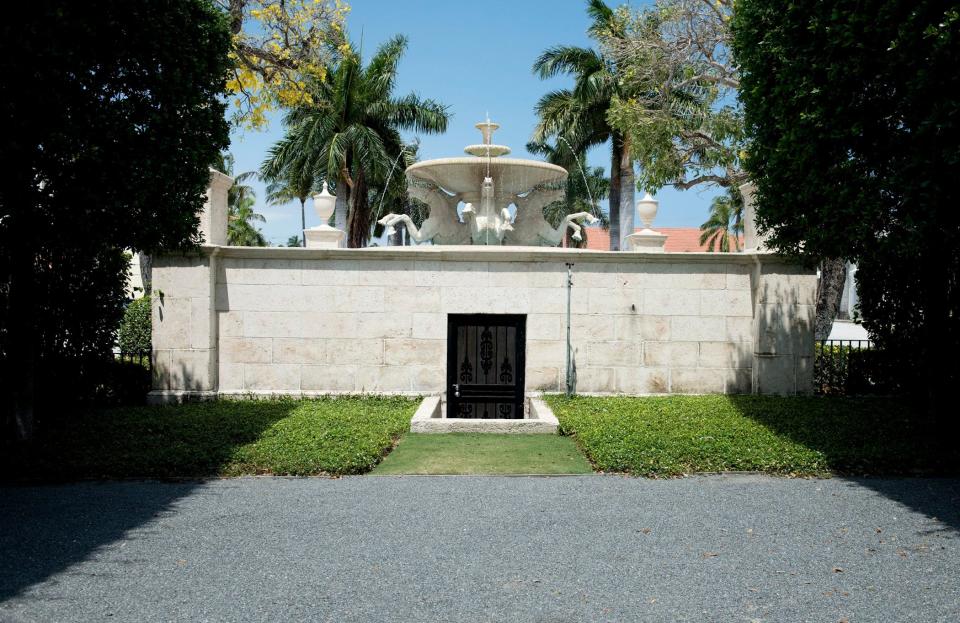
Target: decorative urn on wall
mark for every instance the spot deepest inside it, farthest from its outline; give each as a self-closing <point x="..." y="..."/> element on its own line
<point x="647" y="240"/>
<point x="323" y="236"/>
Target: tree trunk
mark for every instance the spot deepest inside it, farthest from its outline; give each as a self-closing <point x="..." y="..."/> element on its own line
<point x="358" y="223"/>
<point x="146" y="272"/>
<point x="833" y="273"/>
<point x="614" y="211"/>
<point x="627" y="187"/>
<point x="303" y="222"/>
<point x="342" y="206"/>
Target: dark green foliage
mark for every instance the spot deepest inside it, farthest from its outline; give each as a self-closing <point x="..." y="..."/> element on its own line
<point x="134" y="335"/>
<point x="678" y="435"/>
<point x="840" y="370"/>
<point x="111" y="113"/>
<point x="854" y="116"/>
<point x="226" y="438"/>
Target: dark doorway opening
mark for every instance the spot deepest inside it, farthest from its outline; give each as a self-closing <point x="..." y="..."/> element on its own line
<point x="485" y="365"/>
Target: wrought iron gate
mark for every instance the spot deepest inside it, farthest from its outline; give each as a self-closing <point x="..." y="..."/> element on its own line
<point x="485" y="365"/>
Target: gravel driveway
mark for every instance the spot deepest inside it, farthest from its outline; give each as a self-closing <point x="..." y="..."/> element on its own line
<point x="588" y="548"/>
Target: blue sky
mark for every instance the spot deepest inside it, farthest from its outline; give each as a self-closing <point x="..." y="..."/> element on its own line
<point x="473" y="57"/>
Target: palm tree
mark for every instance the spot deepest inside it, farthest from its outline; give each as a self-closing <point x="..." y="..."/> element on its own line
<point x="724" y="224"/>
<point x="241" y="232"/>
<point x="288" y="185"/>
<point x="294" y="241"/>
<point x="350" y="133"/>
<point x="579" y="115"/>
<point x="583" y="190"/>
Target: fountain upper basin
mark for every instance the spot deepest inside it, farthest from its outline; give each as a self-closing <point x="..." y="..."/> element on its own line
<point x="513" y="176"/>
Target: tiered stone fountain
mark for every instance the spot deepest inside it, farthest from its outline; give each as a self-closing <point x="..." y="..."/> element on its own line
<point x="488" y="184"/>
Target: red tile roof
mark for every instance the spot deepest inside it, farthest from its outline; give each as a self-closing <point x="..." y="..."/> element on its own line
<point x="679" y="239"/>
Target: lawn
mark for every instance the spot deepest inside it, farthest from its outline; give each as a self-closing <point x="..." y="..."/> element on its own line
<point x="224" y="438"/>
<point x="675" y="435"/>
<point x="481" y="453"/>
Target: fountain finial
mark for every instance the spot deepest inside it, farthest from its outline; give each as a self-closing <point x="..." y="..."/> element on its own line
<point x="487" y="148"/>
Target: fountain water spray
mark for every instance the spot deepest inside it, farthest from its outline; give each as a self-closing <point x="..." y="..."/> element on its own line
<point x="389" y="231"/>
<point x="583" y="174"/>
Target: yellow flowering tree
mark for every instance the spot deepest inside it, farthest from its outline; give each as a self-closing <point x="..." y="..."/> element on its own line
<point x="279" y="46"/>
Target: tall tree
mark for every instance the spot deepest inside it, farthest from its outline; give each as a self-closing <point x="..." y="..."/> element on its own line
<point x="291" y="185"/>
<point x="723" y="228"/>
<point x="584" y="188"/>
<point x="110" y="126"/>
<point x="349" y="134"/>
<point x="578" y="116"/>
<point x="854" y="120"/>
<point x="278" y="47"/>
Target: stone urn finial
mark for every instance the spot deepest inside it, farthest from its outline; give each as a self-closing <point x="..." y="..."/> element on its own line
<point x="323" y="236"/>
<point x="647" y="240"/>
<point x="647" y="210"/>
<point x="324" y="204"/>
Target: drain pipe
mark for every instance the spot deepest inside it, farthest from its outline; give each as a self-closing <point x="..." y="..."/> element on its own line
<point x="569" y="346"/>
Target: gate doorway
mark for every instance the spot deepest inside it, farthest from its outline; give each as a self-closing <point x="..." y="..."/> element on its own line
<point x="485" y="365"/>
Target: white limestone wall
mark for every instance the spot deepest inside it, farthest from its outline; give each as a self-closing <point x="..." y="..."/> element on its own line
<point x="375" y="320"/>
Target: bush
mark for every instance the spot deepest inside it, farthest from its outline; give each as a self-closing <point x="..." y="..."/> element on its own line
<point x="844" y="371"/>
<point x="135" y="328"/>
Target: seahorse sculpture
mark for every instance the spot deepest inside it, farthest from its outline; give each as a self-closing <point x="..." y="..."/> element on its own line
<point x="529" y="226"/>
<point x="441" y="227"/>
<point x="488" y="225"/>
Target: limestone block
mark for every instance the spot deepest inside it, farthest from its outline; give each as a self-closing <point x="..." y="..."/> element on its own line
<point x="615" y="300"/>
<point x="726" y="303"/>
<point x="213" y="219"/>
<point x="642" y="328"/>
<point x="463" y="300"/>
<point x="671" y="302"/>
<point x="181" y="276"/>
<point x="726" y="355"/>
<point x="171" y="322"/>
<point x="272" y="324"/>
<point x="739" y="329"/>
<point x="299" y="350"/>
<point x="599" y="380"/>
<point x="464" y="274"/>
<point x="804" y="375"/>
<point x="512" y="274"/>
<point x="426" y="273"/>
<point x="262" y="271"/>
<point x="230" y="324"/>
<point x="396" y="324"/>
<point x="231" y="376"/>
<point x="160" y="369"/>
<point x="190" y="370"/>
<point x="339" y="378"/>
<point x="554" y="301"/>
<point x="202" y="317"/>
<point x="709" y="381"/>
<point x="246" y="350"/>
<point x="330" y="273"/>
<point x="545" y="379"/>
<point x="698" y="329"/>
<point x="774" y="375"/>
<point x="612" y="354"/>
<point x="739" y="277"/>
<point x="429" y="326"/>
<point x="596" y="276"/>
<point x="784" y="329"/>
<point x="548" y="275"/>
<point x="325" y="325"/>
<point x="683" y="276"/>
<point x="271" y="376"/>
<point x="642" y="380"/>
<point x="407" y="351"/>
<point x="384" y="272"/>
<point x="428" y="378"/>
<point x="383" y="379"/>
<point x="368" y="352"/>
<point x="545" y="353"/>
<point x="546" y="327"/>
<point x="591" y="328"/>
<point x="359" y="299"/>
<point x="670" y="354"/>
<point x="421" y="299"/>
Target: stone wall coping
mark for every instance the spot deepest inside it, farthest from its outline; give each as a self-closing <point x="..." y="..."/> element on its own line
<point x="470" y="253"/>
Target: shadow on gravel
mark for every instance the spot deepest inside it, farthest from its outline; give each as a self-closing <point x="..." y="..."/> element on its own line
<point x="937" y="498"/>
<point x="44" y="530"/>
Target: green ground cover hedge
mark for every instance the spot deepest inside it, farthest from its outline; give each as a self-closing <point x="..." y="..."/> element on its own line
<point x="224" y="438"/>
<point x="675" y="435"/>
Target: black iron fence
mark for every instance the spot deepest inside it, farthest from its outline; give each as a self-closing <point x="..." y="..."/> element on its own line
<point x="851" y="367"/>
